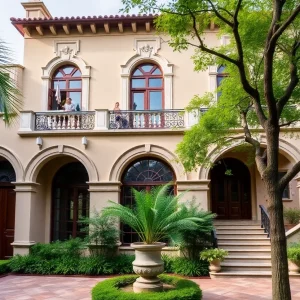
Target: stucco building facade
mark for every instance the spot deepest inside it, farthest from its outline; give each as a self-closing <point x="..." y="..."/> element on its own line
<point x="57" y="166"/>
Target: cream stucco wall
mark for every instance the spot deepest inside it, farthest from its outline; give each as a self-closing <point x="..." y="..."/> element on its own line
<point x="108" y="152"/>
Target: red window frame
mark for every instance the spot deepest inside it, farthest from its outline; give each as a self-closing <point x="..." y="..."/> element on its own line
<point x="147" y="89"/>
<point x="67" y="78"/>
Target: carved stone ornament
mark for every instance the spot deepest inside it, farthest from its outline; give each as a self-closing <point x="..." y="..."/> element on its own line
<point x="147" y="47"/>
<point x="66" y="49"/>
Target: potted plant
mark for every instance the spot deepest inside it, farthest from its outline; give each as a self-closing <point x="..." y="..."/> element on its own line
<point x="214" y="257"/>
<point x="157" y="215"/>
<point x="293" y="254"/>
<point x="292" y="217"/>
<point x="102" y="235"/>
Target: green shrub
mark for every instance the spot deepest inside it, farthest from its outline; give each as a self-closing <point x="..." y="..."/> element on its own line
<point x="292" y="215"/>
<point x="212" y="254"/>
<point x="293" y="252"/>
<point x="101" y="230"/>
<point x="110" y="289"/>
<point x="4" y="266"/>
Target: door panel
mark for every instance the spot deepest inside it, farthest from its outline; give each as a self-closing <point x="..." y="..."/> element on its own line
<point x="7" y="221"/>
<point x="230" y="194"/>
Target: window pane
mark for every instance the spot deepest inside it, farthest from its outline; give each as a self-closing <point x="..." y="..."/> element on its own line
<point x="76" y="98"/>
<point x="156" y="72"/>
<point x="61" y="83"/>
<point x="68" y="70"/>
<point x="155" y="100"/>
<point x="58" y="75"/>
<point x="147" y="68"/>
<point x="138" y="101"/>
<point x="75" y="84"/>
<point x="137" y="73"/>
<point x="138" y="83"/>
<point x="155" y="82"/>
<point x="221" y="69"/>
<point x="219" y="79"/>
<point x="77" y="74"/>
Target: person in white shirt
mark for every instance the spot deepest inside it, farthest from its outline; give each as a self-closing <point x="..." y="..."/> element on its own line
<point x="69" y="106"/>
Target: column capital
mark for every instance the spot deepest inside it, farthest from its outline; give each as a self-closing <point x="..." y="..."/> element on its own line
<point x="193" y="185"/>
<point x="26" y="186"/>
<point x="104" y="186"/>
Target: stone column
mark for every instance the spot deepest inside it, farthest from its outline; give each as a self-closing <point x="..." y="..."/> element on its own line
<point x="101" y="192"/>
<point x="25" y="217"/>
<point x="195" y="190"/>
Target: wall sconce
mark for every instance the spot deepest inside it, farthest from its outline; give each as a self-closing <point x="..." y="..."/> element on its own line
<point x="39" y="142"/>
<point x="84" y="142"/>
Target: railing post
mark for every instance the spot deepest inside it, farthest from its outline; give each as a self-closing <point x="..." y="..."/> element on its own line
<point x="101" y="119"/>
<point x="27" y="121"/>
<point x="191" y="118"/>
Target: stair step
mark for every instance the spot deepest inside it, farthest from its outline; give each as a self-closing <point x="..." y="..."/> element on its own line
<point x="235" y="235"/>
<point x="252" y="252"/>
<point x="244" y="241"/>
<point x="228" y="274"/>
<point x="241" y="266"/>
<point x="239" y="228"/>
<point x="248" y="259"/>
<point x="241" y="232"/>
<point x="235" y="246"/>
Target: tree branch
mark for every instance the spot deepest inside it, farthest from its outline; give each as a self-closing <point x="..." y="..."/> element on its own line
<point x="289" y="176"/>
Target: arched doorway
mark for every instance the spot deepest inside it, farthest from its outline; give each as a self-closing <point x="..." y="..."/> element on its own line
<point x="231" y="189"/>
<point x="7" y="209"/>
<point x="142" y="174"/>
<point x="70" y="201"/>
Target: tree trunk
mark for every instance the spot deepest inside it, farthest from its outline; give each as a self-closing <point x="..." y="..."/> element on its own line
<point x="280" y="274"/>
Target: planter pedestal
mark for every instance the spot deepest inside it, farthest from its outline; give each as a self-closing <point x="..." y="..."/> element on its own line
<point x="294" y="267"/>
<point x="148" y="264"/>
<point x="215" y="266"/>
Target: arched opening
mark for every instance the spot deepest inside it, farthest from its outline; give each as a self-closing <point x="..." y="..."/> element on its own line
<point x="66" y="83"/>
<point x="70" y="201"/>
<point x="230" y="189"/>
<point x="142" y="174"/>
<point x="7" y="208"/>
<point x="146" y="87"/>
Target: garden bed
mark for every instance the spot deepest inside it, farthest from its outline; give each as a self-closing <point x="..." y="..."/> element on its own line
<point x="177" y="288"/>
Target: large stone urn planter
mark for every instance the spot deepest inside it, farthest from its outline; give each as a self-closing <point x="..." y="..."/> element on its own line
<point x="148" y="264"/>
<point x="294" y="267"/>
<point x="215" y="266"/>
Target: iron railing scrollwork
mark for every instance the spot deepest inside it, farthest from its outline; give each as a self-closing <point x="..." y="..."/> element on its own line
<point x="146" y="119"/>
<point x="265" y="220"/>
<point x="55" y="120"/>
<point x="214" y="239"/>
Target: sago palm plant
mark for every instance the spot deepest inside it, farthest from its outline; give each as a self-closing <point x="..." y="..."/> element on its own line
<point x="10" y="95"/>
<point x="157" y="215"/>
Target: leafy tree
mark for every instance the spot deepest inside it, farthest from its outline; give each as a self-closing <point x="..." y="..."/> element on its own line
<point x="10" y="95"/>
<point x="261" y="93"/>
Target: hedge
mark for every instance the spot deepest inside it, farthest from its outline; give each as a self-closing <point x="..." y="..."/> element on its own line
<point x="110" y="289"/>
<point x="4" y="266"/>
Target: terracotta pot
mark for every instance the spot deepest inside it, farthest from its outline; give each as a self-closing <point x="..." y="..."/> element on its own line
<point x="294" y="267"/>
<point x="215" y="266"/>
<point x="148" y="264"/>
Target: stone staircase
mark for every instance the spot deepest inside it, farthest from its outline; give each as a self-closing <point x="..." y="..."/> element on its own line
<point x="248" y="246"/>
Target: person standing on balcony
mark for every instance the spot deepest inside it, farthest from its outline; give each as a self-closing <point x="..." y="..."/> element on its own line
<point x="121" y="120"/>
<point x="69" y="106"/>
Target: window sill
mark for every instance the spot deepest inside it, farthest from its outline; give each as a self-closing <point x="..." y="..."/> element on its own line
<point x="287" y="200"/>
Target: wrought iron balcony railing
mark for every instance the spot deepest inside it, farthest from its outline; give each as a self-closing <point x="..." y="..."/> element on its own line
<point x="57" y="120"/>
<point x="103" y="120"/>
<point x="146" y="119"/>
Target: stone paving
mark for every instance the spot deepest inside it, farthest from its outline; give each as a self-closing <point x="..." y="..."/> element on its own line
<point x="14" y="287"/>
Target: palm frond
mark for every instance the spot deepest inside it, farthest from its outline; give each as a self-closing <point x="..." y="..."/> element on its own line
<point x="10" y="94"/>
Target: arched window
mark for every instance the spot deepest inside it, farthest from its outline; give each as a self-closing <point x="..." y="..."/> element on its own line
<point x="66" y="83"/>
<point x="142" y="175"/>
<point x="70" y="201"/>
<point x="147" y="92"/>
<point x="221" y="74"/>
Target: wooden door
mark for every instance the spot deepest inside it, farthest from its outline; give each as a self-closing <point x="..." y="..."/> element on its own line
<point x="7" y="220"/>
<point x="230" y="194"/>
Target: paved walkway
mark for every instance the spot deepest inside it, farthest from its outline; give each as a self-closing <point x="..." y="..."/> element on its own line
<point x="78" y="288"/>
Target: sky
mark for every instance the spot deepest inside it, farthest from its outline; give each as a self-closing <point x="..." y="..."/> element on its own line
<point x="57" y="8"/>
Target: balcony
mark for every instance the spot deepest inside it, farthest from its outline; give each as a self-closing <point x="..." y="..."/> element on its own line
<point x="105" y="120"/>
